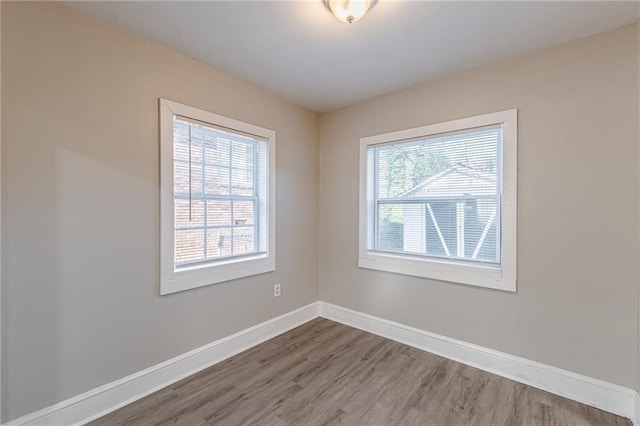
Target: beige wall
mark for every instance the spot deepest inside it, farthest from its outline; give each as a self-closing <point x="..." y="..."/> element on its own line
<point x="577" y="297"/>
<point x="80" y="206"/>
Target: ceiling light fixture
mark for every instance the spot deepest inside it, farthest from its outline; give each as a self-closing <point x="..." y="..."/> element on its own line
<point x="349" y="11"/>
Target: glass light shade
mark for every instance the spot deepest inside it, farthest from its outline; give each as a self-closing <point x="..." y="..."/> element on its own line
<point x="349" y="10"/>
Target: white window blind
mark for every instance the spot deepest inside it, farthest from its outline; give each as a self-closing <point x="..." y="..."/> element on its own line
<point x="437" y="196"/>
<point x="220" y="188"/>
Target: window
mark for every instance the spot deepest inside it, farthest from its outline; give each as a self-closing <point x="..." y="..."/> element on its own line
<point x="217" y="198"/>
<point x="440" y="201"/>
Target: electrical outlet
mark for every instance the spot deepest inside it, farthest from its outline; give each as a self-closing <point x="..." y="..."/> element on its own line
<point x="276" y="290"/>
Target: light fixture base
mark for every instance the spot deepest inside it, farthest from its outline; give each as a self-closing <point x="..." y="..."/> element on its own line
<point x="349" y="11"/>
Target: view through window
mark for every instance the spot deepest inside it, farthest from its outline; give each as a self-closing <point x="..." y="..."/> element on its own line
<point x="438" y="196"/>
<point x="219" y="177"/>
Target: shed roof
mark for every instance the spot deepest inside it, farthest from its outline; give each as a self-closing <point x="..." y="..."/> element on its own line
<point x="459" y="180"/>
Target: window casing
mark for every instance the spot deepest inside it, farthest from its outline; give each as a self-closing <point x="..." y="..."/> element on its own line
<point x="439" y="201"/>
<point x="217" y="198"/>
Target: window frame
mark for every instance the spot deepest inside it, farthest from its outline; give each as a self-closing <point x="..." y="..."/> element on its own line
<point x="497" y="276"/>
<point x="216" y="271"/>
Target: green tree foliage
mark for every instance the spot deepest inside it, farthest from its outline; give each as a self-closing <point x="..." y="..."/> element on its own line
<point x="409" y="167"/>
<point x="404" y="169"/>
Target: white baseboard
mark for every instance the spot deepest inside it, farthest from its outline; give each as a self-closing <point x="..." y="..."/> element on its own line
<point x="104" y="399"/>
<point x="597" y="393"/>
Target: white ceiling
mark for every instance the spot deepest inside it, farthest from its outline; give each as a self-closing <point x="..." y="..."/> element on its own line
<point x="298" y="50"/>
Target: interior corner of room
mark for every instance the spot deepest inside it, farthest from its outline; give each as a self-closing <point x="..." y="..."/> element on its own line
<point x="516" y="252"/>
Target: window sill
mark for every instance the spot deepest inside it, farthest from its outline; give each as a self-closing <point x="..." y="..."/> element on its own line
<point x="481" y="275"/>
<point x="193" y="277"/>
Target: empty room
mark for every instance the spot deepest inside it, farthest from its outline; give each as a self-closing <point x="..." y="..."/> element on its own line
<point x="319" y="212"/>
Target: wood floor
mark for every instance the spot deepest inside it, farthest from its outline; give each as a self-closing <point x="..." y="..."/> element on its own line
<point x="325" y="373"/>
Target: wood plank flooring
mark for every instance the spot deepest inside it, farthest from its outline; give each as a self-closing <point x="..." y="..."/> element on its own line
<point x="325" y="373"/>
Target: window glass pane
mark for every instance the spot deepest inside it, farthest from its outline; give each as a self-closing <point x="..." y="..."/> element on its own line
<point x="181" y="150"/>
<point x="242" y="182"/>
<point x="391" y="228"/>
<point x="243" y="212"/>
<point x="217" y="180"/>
<point x="196" y="178"/>
<point x="243" y="156"/>
<point x="243" y="241"/>
<point x="403" y="167"/>
<point x="189" y="245"/>
<point x="197" y="144"/>
<point x="219" y="213"/>
<point x="217" y="151"/>
<point x="216" y="169"/>
<point x="181" y="140"/>
<point x="443" y="195"/>
<point x="481" y="237"/>
<point x="182" y="211"/>
<point x="181" y="177"/>
<point x="218" y="242"/>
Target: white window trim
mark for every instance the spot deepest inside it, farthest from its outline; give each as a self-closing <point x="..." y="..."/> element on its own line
<point x="503" y="276"/>
<point x="172" y="281"/>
